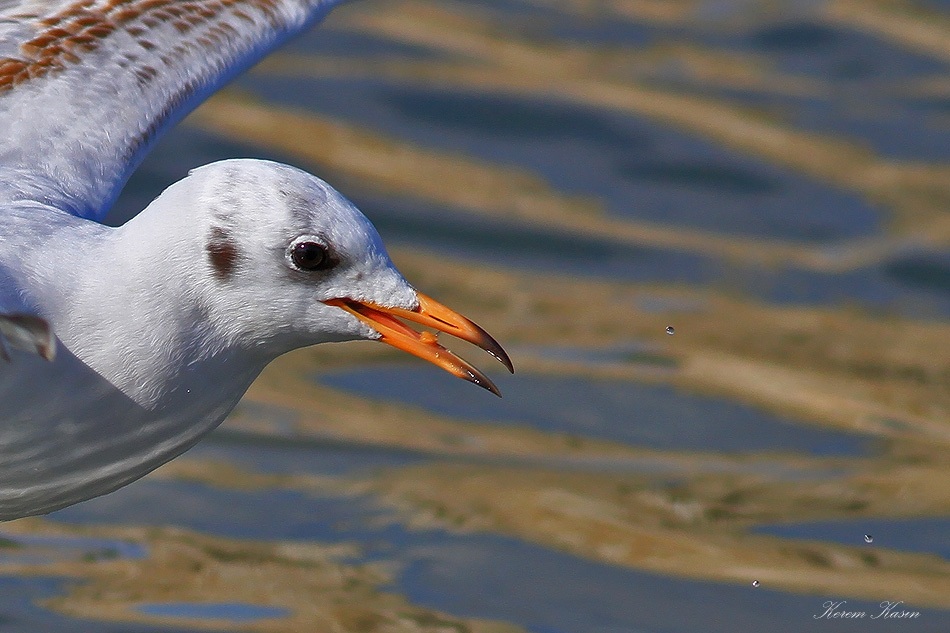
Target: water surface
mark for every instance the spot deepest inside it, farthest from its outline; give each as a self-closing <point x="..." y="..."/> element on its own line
<point x="652" y="416"/>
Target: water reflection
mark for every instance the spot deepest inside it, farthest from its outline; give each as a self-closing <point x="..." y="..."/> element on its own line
<point x="653" y="416"/>
<point x="521" y="245"/>
<point x="930" y="535"/>
<point x="708" y="176"/>
<point x="512" y="119"/>
<point x="927" y="271"/>
<point x="614" y="157"/>
<point x="527" y="585"/>
<point x="474" y="575"/>
<point x="234" y="612"/>
<point x="835" y="53"/>
<point x="19" y="613"/>
<point x="23" y="547"/>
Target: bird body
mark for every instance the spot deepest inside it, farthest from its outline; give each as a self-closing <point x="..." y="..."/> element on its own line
<point x="155" y="346"/>
<point x="124" y="346"/>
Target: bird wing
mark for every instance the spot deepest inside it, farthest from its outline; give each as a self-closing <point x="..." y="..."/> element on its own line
<point x="87" y="86"/>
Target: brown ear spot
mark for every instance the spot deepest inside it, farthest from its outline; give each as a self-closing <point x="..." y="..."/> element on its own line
<point x="222" y="252"/>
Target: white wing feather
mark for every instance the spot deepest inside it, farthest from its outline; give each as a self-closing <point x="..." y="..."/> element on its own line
<point x="86" y="86"/>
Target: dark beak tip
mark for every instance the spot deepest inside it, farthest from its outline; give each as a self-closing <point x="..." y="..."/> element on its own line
<point x="478" y="378"/>
<point x="494" y="348"/>
<point x="504" y="360"/>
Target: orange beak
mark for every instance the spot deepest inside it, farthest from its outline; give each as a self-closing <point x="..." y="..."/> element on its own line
<point x="425" y="345"/>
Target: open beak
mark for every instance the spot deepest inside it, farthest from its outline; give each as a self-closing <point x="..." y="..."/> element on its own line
<point x="433" y="314"/>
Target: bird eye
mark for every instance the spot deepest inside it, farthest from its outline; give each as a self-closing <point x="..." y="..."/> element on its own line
<point x="310" y="256"/>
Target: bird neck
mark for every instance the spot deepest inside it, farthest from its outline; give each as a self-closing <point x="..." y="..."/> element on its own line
<point x="141" y="320"/>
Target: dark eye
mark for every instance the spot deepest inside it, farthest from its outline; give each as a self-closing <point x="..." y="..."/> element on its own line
<point x="310" y="256"/>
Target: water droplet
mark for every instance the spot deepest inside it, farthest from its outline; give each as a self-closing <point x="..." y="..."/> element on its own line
<point x="755" y="583"/>
<point x="670" y="330"/>
<point x="868" y="538"/>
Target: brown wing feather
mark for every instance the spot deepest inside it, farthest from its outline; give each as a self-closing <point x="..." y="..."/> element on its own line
<point x="88" y="61"/>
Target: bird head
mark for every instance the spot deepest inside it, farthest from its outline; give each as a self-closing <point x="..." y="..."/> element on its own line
<point x="289" y="262"/>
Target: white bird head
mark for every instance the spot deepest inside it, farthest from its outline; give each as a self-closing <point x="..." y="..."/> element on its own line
<point x="289" y="262"/>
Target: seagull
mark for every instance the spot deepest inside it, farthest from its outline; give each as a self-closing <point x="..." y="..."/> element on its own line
<point x="121" y="347"/>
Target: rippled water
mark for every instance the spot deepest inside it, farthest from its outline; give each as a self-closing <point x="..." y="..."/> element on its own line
<point x="768" y="178"/>
<point x="642" y="415"/>
<point x="232" y="612"/>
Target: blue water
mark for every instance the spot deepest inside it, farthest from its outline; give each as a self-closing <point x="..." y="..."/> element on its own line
<point x="638" y="169"/>
<point x="481" y="575"/>
<point x="109" y="547"/>
<point x="355" y="45"/>
<point x="19" y="613"/>
<point x="272" y="514"/>
<point x="835" y="53"/>
<point x="296" y="454"/>
<point x="912" y="283"/>
<point x="902" y="127"/>
<point x="550" y="593"/>
<point x="234" y="611"/>
<point x="635" y="354"/>
<point x="518" y="245"/>
<point x="39" y="549"/>
<point x="654" y="416"/>
<point x="930" y="535"/>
